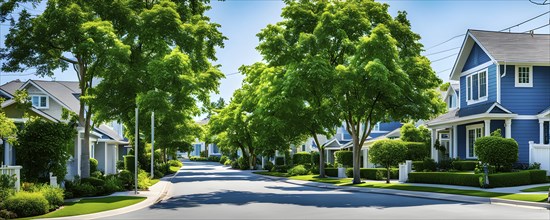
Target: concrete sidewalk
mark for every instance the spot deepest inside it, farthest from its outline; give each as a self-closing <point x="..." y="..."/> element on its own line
<point x="155" y="194"/>
<point x="428" y="195"/>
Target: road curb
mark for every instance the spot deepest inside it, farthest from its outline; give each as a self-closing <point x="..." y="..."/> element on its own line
<point x="426" y="195"/>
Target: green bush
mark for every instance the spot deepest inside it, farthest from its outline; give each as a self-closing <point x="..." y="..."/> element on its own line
<point x="332" y="172"/>
<point x="498" y="151"/>
<point x="509" y="179"/>
<point x="54" y="196"/>
<point x="315" y="158"/>
<point x="374" y="173"/>
<point x="26" y="204"/>
<point x="280" y="168"/>
<point x="214" y="158"/>
<point x="418" y="166"/>
<point x="126" y="178"/>
<point x="388" y="153"/>
<point x="465" y="165"/>
<point x="223" y="159"/>
<point x="112" y="184"/>
<point x="93" y="165"/>
<point x="298" y="170"/>
<point x="268" y="165"/>
<point x="279" y="161"/>
<point x="144" y="180"/>
<point x="158" y="174"/>
<point x="417" y="150"/>
<point x="97" y="174"/>
<point x="301" y="158"/>
<point x="445" y="164"/>
<point x="228" y="162"/>
<point x="243" y="163"/>
<point x="83" y="190"/>
<point x="93" y="181"/>
<point x="195" y="158"/>
<point x="7" y="186"/>
<point x="175" y="163"/>
<point x="204" y="154"/>
<point x="129" y="163"/>
<point x="345" y="158"/>
<point x="459" y="179"/>
<point x="538" y="176"/>
<point x="235" y="165"/>
<point x="120" y="165"/>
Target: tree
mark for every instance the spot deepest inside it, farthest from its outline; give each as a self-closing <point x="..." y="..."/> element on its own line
<point x="44" y="147"/>
<point x="66" y="33"/>
<point x="7" y="127"/>
<point x="370" y="61"/>
<point x="497" y="151"/>
<point x="388" y="153"/>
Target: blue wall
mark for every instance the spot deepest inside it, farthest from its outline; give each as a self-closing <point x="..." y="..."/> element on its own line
<point x="475" y="58"/>
<point x="390" y="126"/>
<point x="491" y="86"/>
<point x="524" y="131"/>
<point x="461" y="142"/>
<point x="498" y="124"/>
<point x="526" y="100"/>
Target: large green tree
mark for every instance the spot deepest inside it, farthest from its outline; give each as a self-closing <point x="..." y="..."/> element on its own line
<point x="369" y="64"/>
<point x="67" y="33"/>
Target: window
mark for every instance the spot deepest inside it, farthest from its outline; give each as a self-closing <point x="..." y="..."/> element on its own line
<point x="39" y="101"/>
<point x="524" y="76"/>
<point x="303" y="147"/>
<point x="473" y="132"/>
<point x="452" y="101"/>
<point x="92" y="151"/>
<point x="546" y="131"/>
<point x="476" y="87"/>
<point x="215" y="149"/>
<point x="376" y="127"/>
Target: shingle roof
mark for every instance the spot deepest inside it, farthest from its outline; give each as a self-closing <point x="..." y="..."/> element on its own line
<point x="110" y="133"/>
<point x="64" y="91"/>
<point x="515" y="47"/>
<point x="450" y="115"/>
<point x="10" y="87"/>
<point x="455" y="86"/>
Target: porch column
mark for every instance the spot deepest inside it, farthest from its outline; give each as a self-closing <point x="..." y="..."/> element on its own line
<point x="541" y="131"/>
<point x="7" y="153"/>
<point x="107" y="160"/>
<point x="434" y="151"/>
<point x="508" y="129"/>
<point x="365" y="158"/>
<point x="455" y="141"/>
<point x="487" y="127"/>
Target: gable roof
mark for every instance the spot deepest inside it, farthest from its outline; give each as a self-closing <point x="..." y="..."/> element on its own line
<point x="504" y="47"/>
<point x="10" y="87"/>
<point x="65" y="92"/>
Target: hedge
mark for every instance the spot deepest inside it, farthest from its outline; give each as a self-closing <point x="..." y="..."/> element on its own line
<point x="332" y="172"/>
<point x="344" y="157"/>
<point x="301" y="158"/>
<point x="459" y="179"/>
<point x="129" y="163"/>
<point x="538" y="176"/>
<point x="279" y="161"/>
<point x="465" y="165"/>
<point x="509" y="179"/>
<point x="315" y="158"/>
<point x="417" y="150"/>
<point x="374" y="173"/>
<point x="27" y="204"/>
<point x="497" y="151"/>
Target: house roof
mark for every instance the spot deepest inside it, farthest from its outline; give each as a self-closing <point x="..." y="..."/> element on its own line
<point x="65" y="92"/>
<point x="504" y="47"/>
<point x="450" y="115"/>
<point x="109" y="132"/>
<point x="455" y="85"/>
<point x="10" y="87"/>
<point x="515" y="47"/>
<point x="491" y="107"/>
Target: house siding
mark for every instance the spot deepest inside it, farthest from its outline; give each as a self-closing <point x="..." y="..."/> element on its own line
<point x="461" y="141"/>
<point x="526" y="100"/>
<point x="476" y="57"/>
<point x="524" y="131"/>
<point x="491" y="87"/>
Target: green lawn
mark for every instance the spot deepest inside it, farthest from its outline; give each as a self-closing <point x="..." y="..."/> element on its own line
<point x="408" y="187"/>
<point x="277" y="174"/>
<point x="537" y="189"/>
<point x="88" y="206"/>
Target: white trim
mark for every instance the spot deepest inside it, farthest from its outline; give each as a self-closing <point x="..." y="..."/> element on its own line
<point x="467" y="119"/>
<point x="544" y="114"/>
<point x="516" y="63"/>
<point x="6" y="93"/>
<point x="455" y="141"/>
<point x="499" y="106"/>
<point x="498" y="81"/>
<point x="468" y="128"/>
<point x="516" y="77"/>
<point x="526" y="117"/>
<point x="40" y="96"/>
<point x="470" y="89"/>
<point x="469" y="40"/>
<point x="477" y="68"/>
<point x="44" y="91"/>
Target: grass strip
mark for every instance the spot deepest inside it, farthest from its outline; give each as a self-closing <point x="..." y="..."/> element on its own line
<point x="88" y="206"/>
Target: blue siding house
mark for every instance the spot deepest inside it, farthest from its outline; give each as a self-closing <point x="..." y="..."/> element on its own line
<point x="504" y="83"/>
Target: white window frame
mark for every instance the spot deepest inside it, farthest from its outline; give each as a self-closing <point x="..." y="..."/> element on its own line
<point x="376" y="127"/>
<point x="516" y="80"/>
<point x="473" y="127"/>
<point x="40" y="97"/>
<point x="469" y="90"/>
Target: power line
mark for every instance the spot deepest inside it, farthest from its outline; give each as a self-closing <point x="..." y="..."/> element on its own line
<point x="454" y="48"/>
<point x="452" y="38"/>
<point x="533" y="18"/>
<point x="442" y="71"/>
<point x="445" y="57"/>
<point x="534" y="29"/>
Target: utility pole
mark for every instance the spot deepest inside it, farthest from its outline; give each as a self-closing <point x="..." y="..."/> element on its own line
<point x="152" y="145"/>
<point x="136" y="154"/>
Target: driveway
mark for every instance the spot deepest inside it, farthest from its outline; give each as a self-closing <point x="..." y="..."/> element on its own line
<point x="204" y="190"/>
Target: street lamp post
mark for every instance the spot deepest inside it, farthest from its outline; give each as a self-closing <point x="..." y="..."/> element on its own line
<point x="136" y="154"/>
<point x="152" y="144"/>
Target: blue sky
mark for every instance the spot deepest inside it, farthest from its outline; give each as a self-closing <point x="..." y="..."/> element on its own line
<point x="435" y="21"/>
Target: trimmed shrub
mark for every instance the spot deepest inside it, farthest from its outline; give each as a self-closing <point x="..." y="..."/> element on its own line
<point x="332" y="172"/>
<point x="388" y="153"/>
<point x="93" y="165"/>
<point x="374" y="173"/>
<point x="459" y="179"/>
<point x="97" y="174"/>
<point x="223" y="159"/>
<point x="509" y="179"/>
<point x="243" y="163"/>
<point x="129" y="163"/>
<point x="112" y="184"/>
<point x="143" y="179"/>
<point x="268" y="165"/>
<point x="175" y="163"/>
<point x="127" y="179"/>
<point x="498" y="151"/>
<point x="345" y="158"/>
<point x="301" y="158"/>
<point x="214" y="158"/>
<point x="445" y="164"/>
<point x="418" y="166"/>
<point x="83" y="190"/>
<point x="195" y="158"/>
<point x="465" y="165"/>
<point x="54" y="196"/>
<point x="5" y="214"/>
<point x="315" y="158"/>
<point x="26" y="204"/>
<point x="158" y="174"/>
<point x="93" y="181"/>
<point x="279" y="161"/>
<point x="228" y="162"/>
<point x="417" y="150"/>
<point x="280" y="168"/>
<point x="120" y="165"/>
<point x="203" y="154"/>
<point x="538" y="176"/>
<point x="298" y="170"/>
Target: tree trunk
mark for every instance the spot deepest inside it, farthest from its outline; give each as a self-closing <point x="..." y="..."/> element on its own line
<point x="251" y="158"/>
<point x="388" y="177"/>
<point x="84" y="120"/>
<point x="356" y="161"/>
<point x="321" y="156"/>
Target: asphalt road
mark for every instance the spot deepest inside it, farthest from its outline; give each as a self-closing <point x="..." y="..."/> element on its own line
<point x="204" y="190"/>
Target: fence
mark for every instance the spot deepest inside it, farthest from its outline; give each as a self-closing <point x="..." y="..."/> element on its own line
<point x="12" y="170"/>
<point x="540" y="153"/>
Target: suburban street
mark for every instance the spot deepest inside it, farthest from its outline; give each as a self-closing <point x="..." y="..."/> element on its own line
<point x="204" y="190"/>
